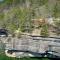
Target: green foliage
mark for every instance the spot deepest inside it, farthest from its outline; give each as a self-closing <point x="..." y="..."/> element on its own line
<point x="57" y="23"/>
<point x="1" y="16"/>
<point x="17" y="18"/>
<point x="1" y="19"/>
<point x="10" y="2"/>
<point x="37" y="3"/>
<point x="56" y="11"/>
<point x="44" y="31"/>
<point x="18" y="15"/>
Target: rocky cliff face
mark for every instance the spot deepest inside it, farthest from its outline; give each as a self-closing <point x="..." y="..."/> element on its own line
<point x="32" y="46"/>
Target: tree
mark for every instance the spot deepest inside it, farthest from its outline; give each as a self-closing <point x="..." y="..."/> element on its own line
<point x="44" y="30"/>
<point x="56" y="11"/>
<point x="56" y="14"/>
<point x="57" y="25"/>
<point x="2" y="23"/>
<point x="17" y="18"/>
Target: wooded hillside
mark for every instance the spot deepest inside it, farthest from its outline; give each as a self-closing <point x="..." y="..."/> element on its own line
<point x="16" y="14"/>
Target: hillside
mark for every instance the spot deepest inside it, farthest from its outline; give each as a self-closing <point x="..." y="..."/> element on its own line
<point x="16" y="14"/>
